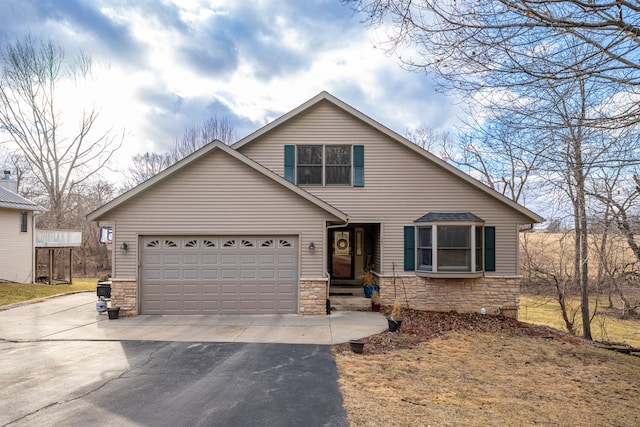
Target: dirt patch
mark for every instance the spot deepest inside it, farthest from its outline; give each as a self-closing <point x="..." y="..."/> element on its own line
<point x="468" y="369"/>
<point x="420" y="326"/>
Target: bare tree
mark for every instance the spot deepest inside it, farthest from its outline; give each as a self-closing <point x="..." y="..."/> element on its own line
<point x="486" y="152"/>
<point x="195" y="138"/>
<point x="496" y="45"/>
<point x="618" y="194"/>
<point x="92" y="258"/>
<point x="60" y="155"/>
<point x="546" y="261"/>
<point x="565" y="71"/>
<point x="147" y="165"/>
<point x="144" y="167"/>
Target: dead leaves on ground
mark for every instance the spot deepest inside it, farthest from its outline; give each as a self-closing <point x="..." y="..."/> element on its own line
<point x="467" y="369"/>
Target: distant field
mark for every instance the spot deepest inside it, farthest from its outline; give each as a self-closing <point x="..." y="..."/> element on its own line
<point x="545" y="311"/>
<point x="11" y="293"/>
<point x="559" y="247"/>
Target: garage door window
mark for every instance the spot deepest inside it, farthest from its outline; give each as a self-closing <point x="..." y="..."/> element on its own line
<point x="248" y="243"/>
<point x="285" y="244"/>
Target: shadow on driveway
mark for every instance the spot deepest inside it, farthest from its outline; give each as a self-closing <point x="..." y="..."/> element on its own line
<point x="168" y="384"/>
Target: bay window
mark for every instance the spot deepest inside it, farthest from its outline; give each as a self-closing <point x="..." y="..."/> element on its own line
<point x="449" y="244"/>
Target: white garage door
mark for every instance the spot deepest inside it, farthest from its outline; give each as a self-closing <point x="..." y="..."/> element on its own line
<point x="219" y="275"/>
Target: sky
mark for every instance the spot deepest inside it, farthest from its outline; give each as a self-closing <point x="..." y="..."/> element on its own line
<point x="164" y="66"/>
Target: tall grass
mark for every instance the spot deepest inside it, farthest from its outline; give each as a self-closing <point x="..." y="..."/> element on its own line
<point x="605" y="328"/>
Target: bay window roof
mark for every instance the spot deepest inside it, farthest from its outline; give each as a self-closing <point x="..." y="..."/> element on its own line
<point x="449" y="217"/>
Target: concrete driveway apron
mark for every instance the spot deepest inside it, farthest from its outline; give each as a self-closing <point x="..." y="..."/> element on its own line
<point x="74" y="317"/>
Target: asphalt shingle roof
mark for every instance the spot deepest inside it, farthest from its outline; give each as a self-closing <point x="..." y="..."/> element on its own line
<point x="449" y="216"/>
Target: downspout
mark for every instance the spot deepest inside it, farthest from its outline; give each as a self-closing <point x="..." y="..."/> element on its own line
<point x="33" y="246"/>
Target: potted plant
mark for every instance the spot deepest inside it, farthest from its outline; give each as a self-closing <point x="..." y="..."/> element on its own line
<point x="395" y="319"/>
<point x="113" y="312"/>
<point x="375" y="301"/>
<point x="368" y="283"/>
<point x="357" y="346"/>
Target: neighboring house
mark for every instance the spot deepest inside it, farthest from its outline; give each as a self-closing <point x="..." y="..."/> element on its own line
<point x="313" y="198"/>
<point x="17" y="250"/>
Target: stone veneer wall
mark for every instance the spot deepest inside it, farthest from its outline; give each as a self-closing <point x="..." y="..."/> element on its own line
<point x="497" y="295"/>
<point x="124" y="294"/>
<point x="313" y="296"/>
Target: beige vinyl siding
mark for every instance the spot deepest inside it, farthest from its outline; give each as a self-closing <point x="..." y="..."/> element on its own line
<point x="16" y="253"/>
<point x="218" y="195"/>
<point x="400" y="185"/>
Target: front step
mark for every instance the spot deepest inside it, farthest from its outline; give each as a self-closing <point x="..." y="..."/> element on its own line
<point x="355" y="291"/>
<point x="348" y="298"/>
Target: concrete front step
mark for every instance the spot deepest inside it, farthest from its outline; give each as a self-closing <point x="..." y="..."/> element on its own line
<point x="348" y="298"/>
<point x="349" y="303"/>
<point x="355" y="291"/>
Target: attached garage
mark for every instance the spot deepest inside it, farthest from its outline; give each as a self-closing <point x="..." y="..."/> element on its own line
<point x="219" y="274"/>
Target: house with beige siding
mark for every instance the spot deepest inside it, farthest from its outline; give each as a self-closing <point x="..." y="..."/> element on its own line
<point x="17" y="245"/>
<point x="303" y="206"/>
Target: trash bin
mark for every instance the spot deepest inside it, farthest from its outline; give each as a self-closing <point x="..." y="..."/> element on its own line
<point x="104" y="290"/>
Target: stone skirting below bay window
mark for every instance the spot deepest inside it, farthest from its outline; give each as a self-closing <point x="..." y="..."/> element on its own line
<point x="497" y="295"/>
<point x="124" y="294"/>
<point x="313" y="296"/>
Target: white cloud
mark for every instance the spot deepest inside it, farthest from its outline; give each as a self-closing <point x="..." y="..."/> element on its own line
<point x="168" y="65"/>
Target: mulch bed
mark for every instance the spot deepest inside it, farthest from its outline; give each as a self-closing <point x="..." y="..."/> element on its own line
<point x="421" y="326"/>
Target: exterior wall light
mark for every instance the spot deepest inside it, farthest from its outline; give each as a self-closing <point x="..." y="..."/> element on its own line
<point x="312" y="247"/>
<point x="124" y="247"/>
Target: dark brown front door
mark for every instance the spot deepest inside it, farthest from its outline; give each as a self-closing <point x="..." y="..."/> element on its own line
<point x="342" y="254"/>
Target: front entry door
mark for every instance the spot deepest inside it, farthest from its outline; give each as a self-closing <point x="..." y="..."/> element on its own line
<point x="342" y="254"/>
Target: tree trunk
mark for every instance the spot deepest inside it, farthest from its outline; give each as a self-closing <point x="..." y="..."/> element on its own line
<point x="582" y="245"/>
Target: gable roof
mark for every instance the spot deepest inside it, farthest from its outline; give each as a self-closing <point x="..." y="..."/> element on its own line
<point x="102" y="211"/>
<point x="11" y="200"/>
<point x="327" y="97"/>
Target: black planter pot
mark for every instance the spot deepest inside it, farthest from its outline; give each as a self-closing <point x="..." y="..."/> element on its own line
<point x="357" y="346"/>
<point x="113" y="312"/>
<point x="394" y="325"/>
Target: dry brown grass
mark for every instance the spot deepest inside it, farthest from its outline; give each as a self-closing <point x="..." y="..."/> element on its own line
<point x="559" y="248"/>
<point x="491" y="378"/>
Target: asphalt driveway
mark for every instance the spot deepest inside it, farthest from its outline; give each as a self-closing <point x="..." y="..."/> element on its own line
<point x="62" y="363"/>
<point x="145" y="383"/>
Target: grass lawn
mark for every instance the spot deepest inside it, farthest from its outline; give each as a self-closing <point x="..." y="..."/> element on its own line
<point x="545" y="311"/>
<point x="491" y="379"/>
<point x="504" y="378"/>
<point x="11" y="293"/>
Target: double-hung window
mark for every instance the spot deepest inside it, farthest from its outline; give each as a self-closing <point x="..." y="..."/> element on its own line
<point x="309" y="165"/>
<point x="324" y="165"/>
<point x="449" y="244"/>
<point x="338" y="165"/>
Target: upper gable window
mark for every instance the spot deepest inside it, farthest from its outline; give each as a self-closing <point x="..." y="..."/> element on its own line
<point x="324" y="164"/>
<point x="338" y="165"/>
<point x="309" y="166"/>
